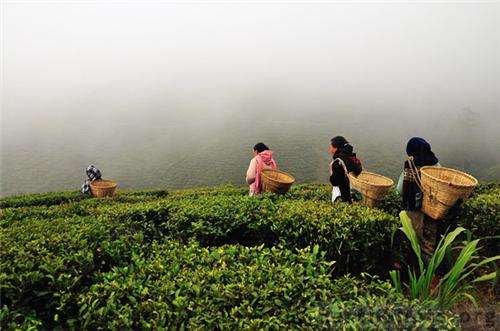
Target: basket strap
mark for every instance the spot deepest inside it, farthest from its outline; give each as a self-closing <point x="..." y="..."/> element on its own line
<point x="416" y="173"/>
<point x="341" y="162"/>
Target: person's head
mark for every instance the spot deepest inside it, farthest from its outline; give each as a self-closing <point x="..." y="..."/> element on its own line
<point x="417" y="146"/>
<point x="259" y="148"/>
<point x="421" y="152"/>
<point x="336" y="143"/>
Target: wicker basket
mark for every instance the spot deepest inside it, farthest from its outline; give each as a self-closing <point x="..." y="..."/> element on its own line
<point x="373" y="187"/>
<point x="442" y="187"/>
<point x="103" y="188"/>
<point x="276" y="181"/>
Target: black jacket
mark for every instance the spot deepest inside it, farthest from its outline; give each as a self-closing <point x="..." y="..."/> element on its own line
<point x="339" y="177"/>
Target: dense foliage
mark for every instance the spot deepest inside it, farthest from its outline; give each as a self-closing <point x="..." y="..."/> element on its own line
<point x="481" y="215"/>
<point x="355" y="236"/>
<point x="235" y="288"/>
<point x="205" y="258"/>
<point x="45" y="199"/>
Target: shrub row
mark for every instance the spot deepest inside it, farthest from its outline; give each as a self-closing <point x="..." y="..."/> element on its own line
<point x="177" y="286"/>
<point x="41" y="199"/>
<point x="359" y="238"/>
<point x="70" y="208"/>
<point x="241" y="288"/>
<point x="225" y="190"/>
<point x="58" y="259"/>
<point x="58" y="198"/>
<point x="45" y="263"/>
<point x="376" y="312"/>
<point x="481" y="215"/>
<point x="355" y="236"/>
<point x="317" y="192"/>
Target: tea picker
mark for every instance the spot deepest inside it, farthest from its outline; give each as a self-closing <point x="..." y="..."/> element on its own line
<point x="96" y="186"/>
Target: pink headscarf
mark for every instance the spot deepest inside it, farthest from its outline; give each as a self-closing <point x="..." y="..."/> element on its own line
<point x="265" y="157"/>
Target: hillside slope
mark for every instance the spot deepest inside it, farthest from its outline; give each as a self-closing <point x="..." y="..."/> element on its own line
<point x="211" y="258"/>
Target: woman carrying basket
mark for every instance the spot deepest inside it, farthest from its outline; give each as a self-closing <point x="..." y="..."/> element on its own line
<point x="263" y="159"/>
<point x="344" y="161"/>
<point x="419" y="154"/>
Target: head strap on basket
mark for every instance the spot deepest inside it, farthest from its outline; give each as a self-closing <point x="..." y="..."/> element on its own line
<point x="416" y="175"/>
<point x="342" y="163"/>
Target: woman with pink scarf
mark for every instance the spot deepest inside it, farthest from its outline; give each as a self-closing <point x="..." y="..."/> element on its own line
<point x="263" y="159"/>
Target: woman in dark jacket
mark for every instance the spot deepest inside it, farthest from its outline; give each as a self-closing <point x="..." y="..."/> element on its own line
<point x="420" y="151"/>
<point x="344" y="159"/>
<point x="426" y="228"/>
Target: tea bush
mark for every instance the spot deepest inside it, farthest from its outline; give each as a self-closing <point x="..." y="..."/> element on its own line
<point x="486" y="188"/>
<point x="374" y="313"/>
<point x="44" y="263"/>
<point x="191" y="287"/>
<point x="57" y="198"/>
<point x="10" y="215"/>
<point x="240" y="288"/>
<point x="210" y="258"/>
<point x="219" y="220"/>
<point x="41" y="199"/>
<point x="84" y="207"/>
<point x="226" y="190"/>
<point x="392" y="203"/>
<point x="357" y="237"/>
<point x="318" y="192"/>
<point x="481" y="215"/>
<point x="19" y="320"/>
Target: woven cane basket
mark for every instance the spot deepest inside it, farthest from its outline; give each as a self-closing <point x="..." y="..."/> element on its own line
<point x="276" y="181"/>
<point x="373" y="187"/>
<point x="442" y="187"/>
<point x="103" y="188"/>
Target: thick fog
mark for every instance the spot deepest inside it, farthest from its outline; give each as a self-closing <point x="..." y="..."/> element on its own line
<point x="172" y="95"/>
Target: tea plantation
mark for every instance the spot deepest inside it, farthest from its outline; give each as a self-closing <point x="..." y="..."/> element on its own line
<point x="212" y="259"/>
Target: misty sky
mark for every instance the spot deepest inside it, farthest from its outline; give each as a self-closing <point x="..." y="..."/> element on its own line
<point x="103" y="65"/>
<point x="66" y="58"/>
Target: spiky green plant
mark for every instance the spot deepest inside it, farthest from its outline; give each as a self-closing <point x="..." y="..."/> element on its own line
<point x="457" y="282"/>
